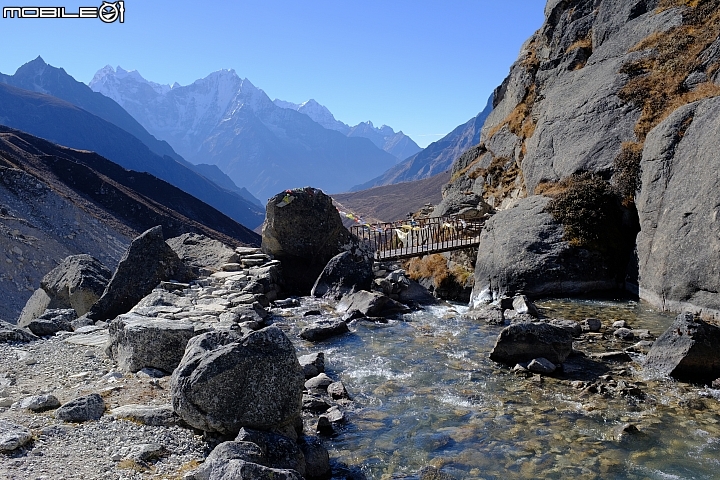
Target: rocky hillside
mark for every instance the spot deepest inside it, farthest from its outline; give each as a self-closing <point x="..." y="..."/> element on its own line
<point x="600" y="156"/>
<point x="55" y="201"/>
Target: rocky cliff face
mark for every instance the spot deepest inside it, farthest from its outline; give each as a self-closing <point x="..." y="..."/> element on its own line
<point x="624" y="92"/>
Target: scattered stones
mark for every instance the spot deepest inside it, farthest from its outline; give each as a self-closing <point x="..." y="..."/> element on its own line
<point x="11" y="333"/>
<point x="433" y="473"/>
<point x="82" y="409"/>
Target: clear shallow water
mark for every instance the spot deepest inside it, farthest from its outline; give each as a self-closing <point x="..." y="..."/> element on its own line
<point x="426" y="394"/>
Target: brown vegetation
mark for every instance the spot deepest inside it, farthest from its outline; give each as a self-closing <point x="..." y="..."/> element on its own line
<point x="657" y="81"/>
<point x="627" y="171"/>
<point x="435" y="266"/>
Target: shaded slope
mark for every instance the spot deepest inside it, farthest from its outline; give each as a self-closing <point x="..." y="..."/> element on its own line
<point x="63" y="123"/>
<point x="129" y="201"/>
<point x="389" y="203"/>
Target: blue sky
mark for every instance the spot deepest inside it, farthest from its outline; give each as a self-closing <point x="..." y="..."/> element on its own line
<point x="420" y="66"/>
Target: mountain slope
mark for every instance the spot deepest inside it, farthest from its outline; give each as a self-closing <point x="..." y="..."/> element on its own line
<point x="436" y="157"/>
<point x="56" y="201"/>
<point x="398" y="144"/>
<point x="227" y="121"/>
<point x="66" y="124"/>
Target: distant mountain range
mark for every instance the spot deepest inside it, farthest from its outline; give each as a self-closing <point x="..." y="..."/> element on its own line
<point x="398" y="144"/>
<point x="46" y="102"/>
<point x="225" y="120"/>
<point x="436" y="157"/>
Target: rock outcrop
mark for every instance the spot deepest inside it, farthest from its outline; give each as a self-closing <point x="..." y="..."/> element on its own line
<point x="147" y="262"/>
<point x="303" y="230"/>
<point x="227" y="381"/>
<point x="345" y="273"/>
<point x="590" y="94"/>
<point x="688" y="350"/>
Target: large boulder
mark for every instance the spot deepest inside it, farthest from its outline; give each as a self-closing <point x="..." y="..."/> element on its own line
<point x="523" y="342"/>
<point x="678" y="245"/>
<point x="227" y="381"/>
<point x="345" y="273"/>
<point x="147" y="262"/>
<point x="303" y="230"/>
<point x="77" y="283"/>
<point x="202" y="252"/>
<point x="522" y="250"/>
<point x="688" y="350"/>
<point x="138" y="342"/>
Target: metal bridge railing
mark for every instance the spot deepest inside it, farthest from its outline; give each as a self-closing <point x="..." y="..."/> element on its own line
<point x="412" y="238"/>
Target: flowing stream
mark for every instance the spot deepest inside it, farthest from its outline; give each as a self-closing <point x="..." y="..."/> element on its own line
<point x="425" y="393"/>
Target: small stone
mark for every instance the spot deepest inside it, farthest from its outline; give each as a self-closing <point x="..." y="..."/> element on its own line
<point x="541" y="365"/>
<point x="624" y="334"/>
<point x="619" y="324"/>
<point x="40" y="403"/>
<point x="337" y="391"/>
<point x="82" y="409"/>
<point x="13" y="436"/>
<point x="321" y="382"/>
<point x="591" y="325"/>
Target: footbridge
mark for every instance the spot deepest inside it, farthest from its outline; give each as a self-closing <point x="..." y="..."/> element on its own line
<point x="417" y="237"/>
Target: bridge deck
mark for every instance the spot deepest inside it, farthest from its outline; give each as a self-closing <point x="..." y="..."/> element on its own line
<point x="414" y="238"/>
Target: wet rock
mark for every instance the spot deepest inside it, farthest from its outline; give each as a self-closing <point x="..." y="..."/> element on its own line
<point x="265" y="391"/>
<point x="138" y="342"/>
<point x="521" y="304"/>
<point x="371" y="304"/>
<point x="312" y="364"/>
<point x="591" y="325"/>
<point x="345" y="273"/>
<point x="314" y="404"/>
<point x="147" y="262"/>
<point x="317" y="459"/>
<point x="624" y="334"/>
<point x="321" y="382"/>
<point x="13" y="436"/>
<point x="571" y="326"/>
<point x="688" y="350"/>
<point x="643" y="346"/>
<point x="337" y="391"/>
<point x="334" y="415"/>
<point x="612" y="356"/>
<point x="541" y="365"/>
<point x="52" y="321"/>
<point x="490" y="314"/>
<point x="82" y="409"/>
<point x="623" y="431"/>
<point x="40" y="403"/>
<point x="11" y="333"/>
<point x="433" y="473"/>
<point x="526" y="341"/>
<point x="323" y="329"/>
<point x="304" y="231"/>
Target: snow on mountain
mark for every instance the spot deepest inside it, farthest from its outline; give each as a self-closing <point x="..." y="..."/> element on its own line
<point x="225" y="120"/>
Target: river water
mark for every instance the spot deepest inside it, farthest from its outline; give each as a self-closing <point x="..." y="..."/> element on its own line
<point x="425" y="393"/>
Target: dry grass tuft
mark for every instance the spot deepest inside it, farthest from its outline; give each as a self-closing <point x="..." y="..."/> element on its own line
<point x="627" y="171"/>
<point x="431" y="266"/>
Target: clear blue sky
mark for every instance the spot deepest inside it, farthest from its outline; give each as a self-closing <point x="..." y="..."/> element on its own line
<point x="421" y="66"/>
